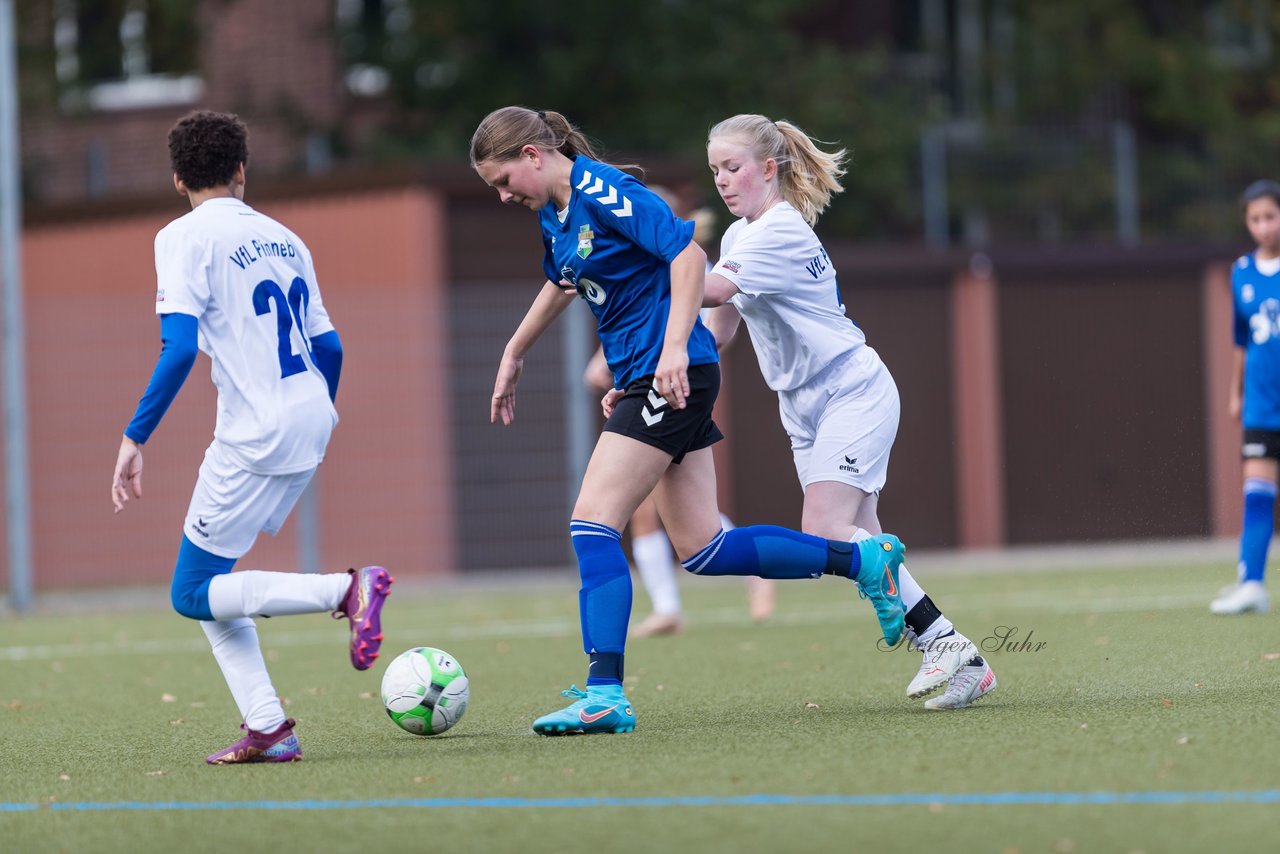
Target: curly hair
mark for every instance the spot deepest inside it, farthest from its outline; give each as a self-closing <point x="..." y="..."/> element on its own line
<point x="205" y="148"/>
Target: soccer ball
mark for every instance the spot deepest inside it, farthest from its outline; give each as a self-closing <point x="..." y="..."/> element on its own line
<point x="425" y="691"/>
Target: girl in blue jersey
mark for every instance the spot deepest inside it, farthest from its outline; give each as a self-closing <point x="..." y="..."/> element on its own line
<point x="612" y="242"/>
<point x="838" y="402"/>
<point x="1255" y="392"/>
<point x="650" y="549"/>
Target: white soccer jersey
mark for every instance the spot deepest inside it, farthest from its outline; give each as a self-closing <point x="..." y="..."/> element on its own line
<point x="788" y="298"/>
<point x="251" y="284"/>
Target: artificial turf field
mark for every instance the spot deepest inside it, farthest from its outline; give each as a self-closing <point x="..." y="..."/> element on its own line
<point x="1141" y="724"/>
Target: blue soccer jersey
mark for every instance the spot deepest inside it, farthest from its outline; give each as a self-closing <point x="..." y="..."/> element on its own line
<point x="616" y="243"/>
<point x="1256" y="299"/>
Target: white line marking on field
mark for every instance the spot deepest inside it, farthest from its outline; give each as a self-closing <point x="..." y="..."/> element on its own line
<point x="1014" y="604"/>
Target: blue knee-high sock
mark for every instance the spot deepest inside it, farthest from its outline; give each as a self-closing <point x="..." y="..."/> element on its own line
<point x="1259" y="524"/>
<point x="196" y="568"/>
<point x="604" y="602"/>
<point x="773" y="552"/>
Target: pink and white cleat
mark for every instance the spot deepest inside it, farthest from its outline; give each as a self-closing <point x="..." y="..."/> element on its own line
<point x="363" y="607"/>
<point x="943" y="659"/>
<point x="279" y="745"/>
<point x="971" y="682"/>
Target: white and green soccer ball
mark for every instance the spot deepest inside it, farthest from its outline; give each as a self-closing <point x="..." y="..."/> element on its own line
<point x="425" y="691"/>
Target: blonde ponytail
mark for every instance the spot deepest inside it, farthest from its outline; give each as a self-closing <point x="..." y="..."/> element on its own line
<point x="807" y="176"/>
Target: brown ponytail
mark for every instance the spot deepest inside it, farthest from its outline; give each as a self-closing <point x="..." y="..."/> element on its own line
<point x="504" y="132"/>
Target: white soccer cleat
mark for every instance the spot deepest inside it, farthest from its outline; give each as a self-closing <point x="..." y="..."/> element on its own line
<point x="943" y="658"/>
<point x="1244" y="597"/>
<point x="1230" y="588"/>
<point x="972" y="682"/>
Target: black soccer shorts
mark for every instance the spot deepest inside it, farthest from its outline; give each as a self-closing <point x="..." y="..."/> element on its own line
<point x="1260" y="444"/>
<point x="645" y="416"/>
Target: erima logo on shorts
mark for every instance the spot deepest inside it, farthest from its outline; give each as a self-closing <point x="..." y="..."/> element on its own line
<point x="1255" y="449"/>
<point x="850" y="465"/>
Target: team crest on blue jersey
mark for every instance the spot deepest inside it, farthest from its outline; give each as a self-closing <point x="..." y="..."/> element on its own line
<point x="1265" y="325"/>
<point x="585" y="235"/>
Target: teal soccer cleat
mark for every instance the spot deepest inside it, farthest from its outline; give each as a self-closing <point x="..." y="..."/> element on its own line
<point x="600" y="708"/>
<point x="877" y="580"/>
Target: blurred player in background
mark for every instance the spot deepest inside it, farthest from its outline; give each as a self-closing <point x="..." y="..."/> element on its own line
<point x="612" y="241"/>
<point x="838" y="402"/>
<point x="241" y="287"/>
<point x="650" y="548"/>
<point x="1255" y="393"/>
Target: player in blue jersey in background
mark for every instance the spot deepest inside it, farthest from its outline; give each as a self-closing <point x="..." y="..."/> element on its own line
<point x="1255" y="393"/>
<point x="241" y="287"/>
<point x="612" y="242"/>
<point x="838" y="402"/>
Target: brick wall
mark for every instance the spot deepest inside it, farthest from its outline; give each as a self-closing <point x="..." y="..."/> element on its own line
<point x="385" y="490"/>
<point x="274" y="62"/>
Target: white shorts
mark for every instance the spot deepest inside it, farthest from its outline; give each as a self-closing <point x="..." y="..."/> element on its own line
<point x="230" y="505"/>
<point x="842" y="423"/>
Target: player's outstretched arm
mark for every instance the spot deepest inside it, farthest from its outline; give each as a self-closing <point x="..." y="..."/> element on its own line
<point x="178" y="339"/>
<point x="550" y="303"/>
<point x="503" y="404"/>
<point x="723" y="323"/>
<point x="127" y="480"/>
<point x="718" y="291"/>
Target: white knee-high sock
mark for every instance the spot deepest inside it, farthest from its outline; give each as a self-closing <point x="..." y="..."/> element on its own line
<point x="657" y="568"/>
<point x="235" y="646"/>
<point x="908" y="588"/>
<point x="275" y="594"/>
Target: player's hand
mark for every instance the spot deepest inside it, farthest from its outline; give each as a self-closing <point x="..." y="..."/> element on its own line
<point x="610" y="400"/>
<point x="503" y="404"/>
<point x="568" y="288"/>
<point x="1236" y="405"/>
<point x="127" y="479"/>
<point x="671" y="379"/>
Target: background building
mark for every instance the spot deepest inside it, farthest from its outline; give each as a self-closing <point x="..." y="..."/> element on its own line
<point x="1035" y="242"/>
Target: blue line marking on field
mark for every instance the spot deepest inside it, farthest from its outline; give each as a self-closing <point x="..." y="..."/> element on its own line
<point x="1261" y="796"/>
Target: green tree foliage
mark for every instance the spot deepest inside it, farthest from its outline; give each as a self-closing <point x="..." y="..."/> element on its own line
<point x="1198" y="80"/>
<point x="647" y="79"/>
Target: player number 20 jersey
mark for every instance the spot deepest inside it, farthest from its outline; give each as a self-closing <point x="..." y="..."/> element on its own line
<point x="251" y="284"/>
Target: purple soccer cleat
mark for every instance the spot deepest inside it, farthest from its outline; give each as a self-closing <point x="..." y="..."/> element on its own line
<point x="363" y="607"/>
<point x="280" y="745"/>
